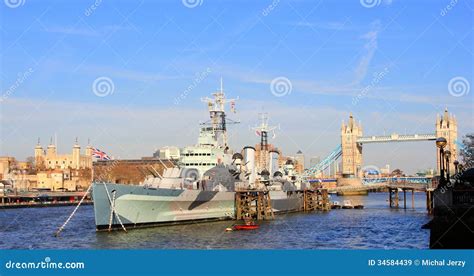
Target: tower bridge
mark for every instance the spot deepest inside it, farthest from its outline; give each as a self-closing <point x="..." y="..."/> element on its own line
<point x="396" y="138"/>
<point x="352" y="140"/>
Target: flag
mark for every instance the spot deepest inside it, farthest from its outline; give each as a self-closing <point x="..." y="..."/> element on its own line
<point x="258" y="133"/>
<point x="97" y="153"/>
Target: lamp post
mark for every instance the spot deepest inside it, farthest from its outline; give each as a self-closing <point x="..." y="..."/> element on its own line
<point x="460" y="168"/>
<point x="447" y="153"/>
<point x="441" y="143"/>
<point x="456" y="163"/>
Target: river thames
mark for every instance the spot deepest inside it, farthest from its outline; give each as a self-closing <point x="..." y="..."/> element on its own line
<point x="374" y="227"/>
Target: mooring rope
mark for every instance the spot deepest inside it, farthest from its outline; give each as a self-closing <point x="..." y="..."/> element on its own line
<point x="73" y="212"/>
<point x="112" y="207"/>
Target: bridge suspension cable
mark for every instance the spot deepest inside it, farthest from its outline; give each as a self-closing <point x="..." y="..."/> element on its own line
<point x="325" y="163"/>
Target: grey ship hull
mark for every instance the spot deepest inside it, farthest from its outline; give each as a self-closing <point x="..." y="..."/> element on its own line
<point x="137" y="206"/>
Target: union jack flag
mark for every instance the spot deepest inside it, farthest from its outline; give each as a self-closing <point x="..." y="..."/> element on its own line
<point x="97" y="153"/>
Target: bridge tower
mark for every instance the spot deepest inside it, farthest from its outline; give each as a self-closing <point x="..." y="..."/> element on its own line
<point x="447" y="127"/>
<point x="351" y="153"/>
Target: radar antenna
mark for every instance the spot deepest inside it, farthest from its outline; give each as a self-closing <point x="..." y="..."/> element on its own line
<point x="262" y="130"/>
<point x="218" y="122"/>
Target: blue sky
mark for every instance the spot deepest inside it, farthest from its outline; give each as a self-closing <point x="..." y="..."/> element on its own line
<point x="390" y="65"/>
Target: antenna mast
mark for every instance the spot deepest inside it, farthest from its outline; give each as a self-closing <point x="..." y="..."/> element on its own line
<point x="218" y="122"/>
<point x="262" y="130"/>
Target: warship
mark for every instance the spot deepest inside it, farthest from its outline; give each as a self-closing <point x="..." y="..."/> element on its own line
<point x="202" y="184"/>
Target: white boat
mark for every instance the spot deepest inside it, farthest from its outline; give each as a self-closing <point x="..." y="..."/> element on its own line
<point x="347" y="204"/>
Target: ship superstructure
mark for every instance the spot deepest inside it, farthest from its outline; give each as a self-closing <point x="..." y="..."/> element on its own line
<point x="212" y="148"/>
<point x="202" y="185"/>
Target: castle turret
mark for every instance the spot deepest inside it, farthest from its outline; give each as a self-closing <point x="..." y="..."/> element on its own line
<point x="39" y="155"/>
<point x="89" y="155"/>
<point x="351" y="150"/>
<point x="447" y="127"/>
<point x="76" y="156"/>
<point x="51" y="150"/>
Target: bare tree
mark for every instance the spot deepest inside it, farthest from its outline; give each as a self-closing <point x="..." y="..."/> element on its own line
<point x="467" y="150"/>
<point x="397" y="172"/>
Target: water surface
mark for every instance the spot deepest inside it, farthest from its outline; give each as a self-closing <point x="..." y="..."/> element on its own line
<point x="374" y="227"/>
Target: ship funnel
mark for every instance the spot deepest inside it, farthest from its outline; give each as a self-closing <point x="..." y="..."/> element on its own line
<point x="265" y="177"/>
<point x="249" y="159"/>
<point x="237" y="160"/>
<point x="273" y="157"/>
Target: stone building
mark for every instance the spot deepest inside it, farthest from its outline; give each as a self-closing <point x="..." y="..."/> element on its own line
<point x="300" y="162"/>
<point x="314" y="160"/>
<point x="6" y="163"/>
<point x="50" y="159"/>
<point x="131" y="172"/>
<point x="447" y="127"/>
<point x="63" y="180"/>
<point x="351" y="154"/>
<point x="351" y="166"/>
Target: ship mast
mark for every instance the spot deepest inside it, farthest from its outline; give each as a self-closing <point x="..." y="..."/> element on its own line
<point x="218" y="123"/>
<point x="262" y="130"/>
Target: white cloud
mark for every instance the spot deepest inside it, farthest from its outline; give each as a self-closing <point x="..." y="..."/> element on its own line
<point x="370" y="48"/>
<point x="330" y="25"/>
<point x="87" y="31"/>
<point x="122" y="73"/>
<point x="73" y="31"/>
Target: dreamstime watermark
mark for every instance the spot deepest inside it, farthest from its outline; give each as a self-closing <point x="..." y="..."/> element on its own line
<point x="14" y="3"/>
<point x="375" y="80"/>
<point x="458" y="86"/>
<point x="270" y="7"/>
<point x="22" y="77"/>
<point x="190" y="174"/>
<point x="91" y="9"/>
<point x="370" y="3"/>
<point x="456" y="177"/>
<point x="103" y="86"/>
<point x="192" y="3"/>
<point x="444" y="11"/>
<point x="281" y="86"/>
<point x="199" y="77"/>
<point x="104" y="175"/>
<point x="45" y="264"/>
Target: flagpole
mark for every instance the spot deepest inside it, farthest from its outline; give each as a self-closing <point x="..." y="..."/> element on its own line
<point x="92" y="170"/>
